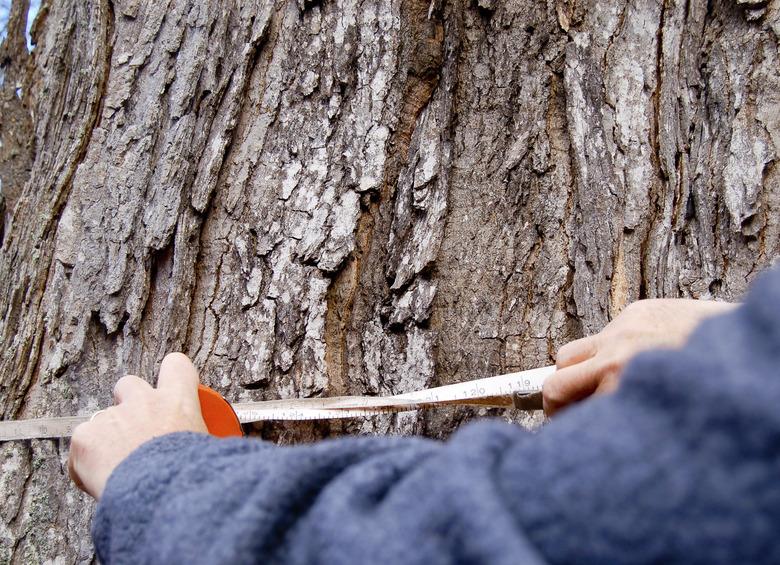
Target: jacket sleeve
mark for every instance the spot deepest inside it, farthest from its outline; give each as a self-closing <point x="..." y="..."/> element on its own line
<point x="680" y="465"/>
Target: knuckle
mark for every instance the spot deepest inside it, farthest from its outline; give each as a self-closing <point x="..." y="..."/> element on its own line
<point x="643" y="305"/>
<point x="612" y="365"/>
<point x="551" y="399"/>
<point x="118" y="386"/>
<point x="634" y="310"/>
<point x="574" y="350"/>
<point x="566" y="350"/>
<point x="609" y="383"/>
<point x="552" y="390"/>
<point x="80" y="441"/>
<point x="176" y="356"/>
<point x="124" y="382"/>
<point x="127" y="380"/>
<point x="640" y="304"/>
<point x="624" y="327"/>
<point x="80" y="433"/>
<point x="130" y="385"/>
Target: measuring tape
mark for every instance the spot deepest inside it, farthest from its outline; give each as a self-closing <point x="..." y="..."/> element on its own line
<point x="521" y="390"/>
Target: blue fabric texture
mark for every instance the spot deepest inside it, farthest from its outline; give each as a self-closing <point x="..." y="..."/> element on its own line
<point x="681" y="465"/>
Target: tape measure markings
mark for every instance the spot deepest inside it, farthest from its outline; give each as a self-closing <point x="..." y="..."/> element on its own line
<point x="495" y="391"/>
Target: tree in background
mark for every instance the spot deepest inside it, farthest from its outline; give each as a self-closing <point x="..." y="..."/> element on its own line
<point x="341" y="197"/>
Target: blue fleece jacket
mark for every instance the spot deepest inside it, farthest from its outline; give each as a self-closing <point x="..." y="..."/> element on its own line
<point x="681" y="465"/>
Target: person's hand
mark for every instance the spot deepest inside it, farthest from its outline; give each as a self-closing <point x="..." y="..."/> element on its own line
<point x="140" y="414"/>
<point x="593" y="365"/>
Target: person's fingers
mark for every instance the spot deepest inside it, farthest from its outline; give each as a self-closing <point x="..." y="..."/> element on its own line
<point x="571" y="384"/>
<point x="128" y="387"/>
<point x="609" y="383"/>
<point x="576" y="351"/>
<point x="76" y="451"/>
<point x="179" y="376"/>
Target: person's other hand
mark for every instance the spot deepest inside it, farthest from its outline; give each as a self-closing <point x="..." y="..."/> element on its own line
<point x="140" y="414"/>
<point x="593" y="365"/>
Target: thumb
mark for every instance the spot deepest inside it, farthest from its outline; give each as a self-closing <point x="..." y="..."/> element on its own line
<point x="179" y="377"/>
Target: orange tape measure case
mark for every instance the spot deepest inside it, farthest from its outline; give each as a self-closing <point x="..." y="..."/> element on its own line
<point x="221" y="420"/>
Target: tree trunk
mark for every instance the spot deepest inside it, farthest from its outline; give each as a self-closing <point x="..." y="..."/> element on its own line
<point x="340" y="197"/>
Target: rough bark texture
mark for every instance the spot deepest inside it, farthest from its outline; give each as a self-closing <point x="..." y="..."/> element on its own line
<point x="351" y="196"/>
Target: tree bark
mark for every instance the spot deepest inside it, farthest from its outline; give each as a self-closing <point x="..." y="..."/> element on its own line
<point x="341" y="197"/>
